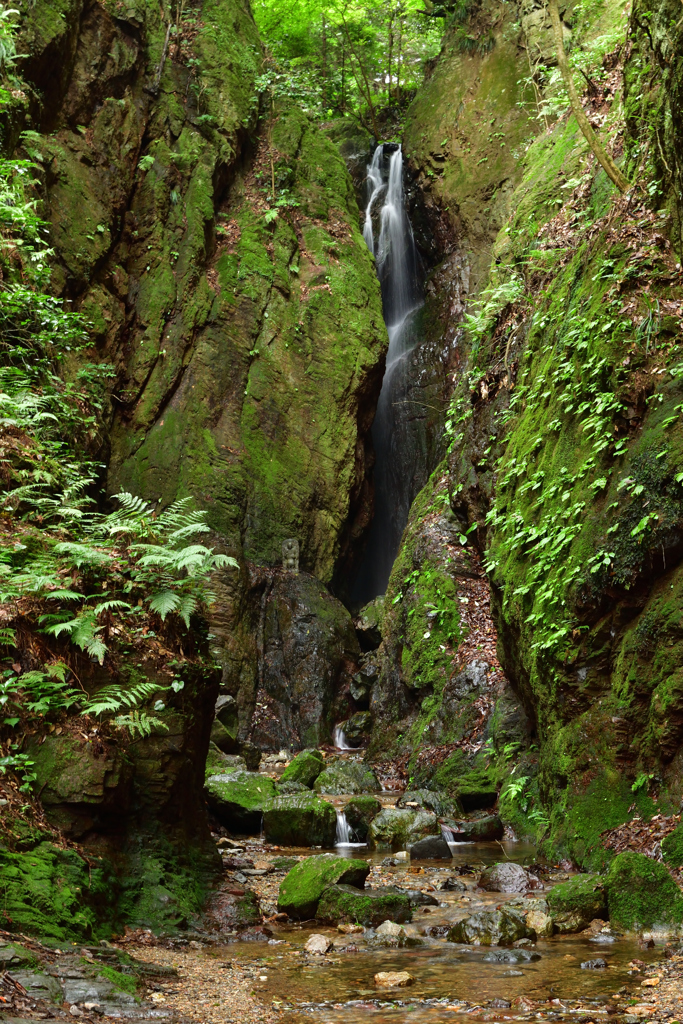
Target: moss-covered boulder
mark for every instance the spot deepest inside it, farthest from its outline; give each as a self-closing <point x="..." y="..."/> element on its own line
<point x="642" y="894"/>
<point x="304" y="768"/>
<point x="439" y="802"/>
<point x="396" y="827"/>
<point x="301" y="819"/>
<point x="475" y="830"/>
<point x="369" y="907"/>
<point x="218" y="763"/>
<point x="490" y="928"/>
<point x="575" y="903"/>
<point x="303" y="886"/>
<point x="347" y="778"/>
<point x="239" y="798"/>
<point x="672" y="848"/>
<point x="360" y="812"/>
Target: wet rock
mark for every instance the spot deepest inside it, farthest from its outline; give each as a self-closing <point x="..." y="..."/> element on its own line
<point x="540" y="923"/>
<point x="302" y="888"/>
<point x="368" y="624"/>
<point x="575" y="903"/>
<point x="598" y="964"/>
<point x="12" y="956"/>
<point x="476" y="830"/>
<point x="229" y="910"/>
<point x="357" y="728"/>
<point x="511" y="956"/>
<point x="420" y="899"/>
<point x="438" y="802"/>
<point x="388" y="934"/>
<point x="360" y="812"/>
<point x="369" y="907"/>
<point x="436" y="931"/>
<point x="489" y="928"/>
<point x="500" y="1004"/>
<point x="40" y="986"/>
<point x="504" y="877"/>
<point x="431" y="848"/>
<point x="218" y="763"/>
<point x="300" y="820"/>
<point x="260" y="934"/>
<point x="453" y="884"/>
<point x="347" y="777"/>
<point x="318" y="945"/>
<point x="238" y="799"/>
<point x="304" y="768"/>
<point x="396" y="826"/>
<point x="289" y="788"/>
<point x="362" y="682"/>
<point x="390" y="928"/>
<point x="350" y="929"/>
<point x="393" y="979"/>
<point x="225" y="728"/>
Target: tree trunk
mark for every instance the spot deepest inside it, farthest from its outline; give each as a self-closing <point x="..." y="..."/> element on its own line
<point x="601" y="154"/>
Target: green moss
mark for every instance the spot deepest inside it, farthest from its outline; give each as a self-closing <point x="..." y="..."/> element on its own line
<point x="360" y="812"/>
<point x="304" y="768"/>
<point x="239" y="799"/>
<point x="575" y="903"/>
<point x="672" y="848"/>
<point x="124" y="982"/>
<point x="346" y="778"/>
<point x="641" y="894"/>
<point x="399" y="828"/>
<point x="345" y="903"/>
<point x="302" y="888"/>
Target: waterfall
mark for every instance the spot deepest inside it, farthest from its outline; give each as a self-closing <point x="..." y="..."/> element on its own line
<point x="398" y="467"/>
<point x="345" y="834"/>
<point x="339" y="739"/>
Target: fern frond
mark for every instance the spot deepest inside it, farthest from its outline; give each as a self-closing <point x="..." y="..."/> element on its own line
<point x="164" y="602"/>
<point x="139" y="722"/>
<point x="82" y="554"/>
<point x="107" y="606"/>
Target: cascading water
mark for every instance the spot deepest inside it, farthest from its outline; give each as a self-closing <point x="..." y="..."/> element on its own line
<point x="345" y="834"/>
<point x="339" y="739"/>
<point x="397" y="468"/>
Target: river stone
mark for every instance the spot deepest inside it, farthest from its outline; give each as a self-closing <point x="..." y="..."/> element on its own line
<point x="302" y="888"/>
<point x="304" y="768"/>
<point x="300" y="820"/>
<point x="476" y="830"/>
<point x="357" y="728"/>
<point x="347" y="777"/>
<point x="238" y="799"/>
<point x="418" y="898"/>
<point x="575" y="903"/>
<point x="289" y="787"/>
<point x="453" y="884"/>
<point x="594" y="965"/>
<point x="540" y="923"/>
<point x="489" y="928"/>
<point x="440" y="803"/>
<point x="395" y="826"/>
<point x="510" y="956"/>
<point x="393" y="979"/>
<point x="431" y="848"/>
<point x="642" y="894"/>
<point x="391" y="929"/>
<point x="359" y="812"/>
<point x="369" y="907"/>
<point x="318" y="944"/>
<point x="504" y="877"/>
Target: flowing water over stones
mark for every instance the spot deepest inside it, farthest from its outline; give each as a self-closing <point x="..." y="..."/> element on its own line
<point x="398" y="456"/>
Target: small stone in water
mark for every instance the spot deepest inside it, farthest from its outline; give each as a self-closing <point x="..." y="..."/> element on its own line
<point x="318" y="944"/>
<point x="390" y="928"/>
<point x="500" y="1004"/>
<point x="513" y="974"/>
<point x="350" y="929"/>
<point x="594" y="965"/>
<point x="393" y="979"/>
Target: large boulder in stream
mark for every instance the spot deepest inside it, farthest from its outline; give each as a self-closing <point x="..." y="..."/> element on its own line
<point x="642" y="894"/>
<point x="431" y="848"/>
<point x="575" y="903"/>
<point x="304" y="768"/>
<point x="506" y="877"/>
<point x="440" y="803"/>
<point x="369" y="907"/>
<point x="347" y="778"/>
<point x="476" y="830"/>
<point x="300" y="819"/>
<point x="360" y="812"/>
<point x="239" y="798"/>
<point x="491" y="928"/>
<point x="401" y="827"/>
<point x="302" y="888"/>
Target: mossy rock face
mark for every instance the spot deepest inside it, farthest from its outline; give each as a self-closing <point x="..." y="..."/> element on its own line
<point x="394" y="827"/>
<point x="350" y="777"/>
<point x="304" y="768"/>
<point x="238" y="799"/>
<point x="490" y="928"/>
<point x="301" y="819"/>
<point x="577" y="902"/>
<point x="228" y="911"/>
<point x="672" y="848"/>
<point x="369" y="907"/>
<point x="302" y="888"/>
<point x="360" y="812"/>
<point x="641" y="894"/>
<point x="440" y="803"/>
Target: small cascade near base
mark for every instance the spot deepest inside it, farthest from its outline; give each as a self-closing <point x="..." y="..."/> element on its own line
<point x="398" y="468"/>
<point x="345" y="834"/>
<point x="339" y="739"/>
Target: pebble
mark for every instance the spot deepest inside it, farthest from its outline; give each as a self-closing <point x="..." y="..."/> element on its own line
<point x="393" y="979"/>
<point x="318" y="944"/>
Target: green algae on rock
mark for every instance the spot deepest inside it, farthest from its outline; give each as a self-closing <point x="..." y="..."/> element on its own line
<point x="400" y="827"/>
<point x="575" y="903"/>
<point x="342" y="902"/>
<point x="641" y="894"/>
<point x="303" y="886"/>
<point x="300" y="819"/>
<point x="304" y="768"/>
<point x="490" y="928"/>
<point x="347" y="778"/>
